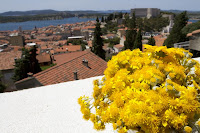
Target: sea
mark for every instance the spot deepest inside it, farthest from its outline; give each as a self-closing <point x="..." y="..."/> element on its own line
<point x="193" y="21"/>
<point x="29" y="25"/>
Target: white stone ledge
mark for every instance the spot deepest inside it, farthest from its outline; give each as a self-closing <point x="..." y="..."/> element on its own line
<point x="47" y="109"/>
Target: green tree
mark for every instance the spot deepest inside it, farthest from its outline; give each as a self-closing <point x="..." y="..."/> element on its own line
<point x="98" y="41"/>
<point x="152" y="41"/>
<point x="102" y="19"/>
<point x="34" y="65"/>
<point x="112" y="41"/>
<point x="191" y="27"/>
<point x="130" y="34"/>
<point x="176" y="35"/>
<point x="139" y="23"/>
<point x="2" y="86"/>
<point x="83" y="47"/>
<point x="110" y="17"/>
<point x="22" y="66"/>
<point x="138" y="40"/>
<point x="28" y="63"/>
<point x="126" y="20"/>
<point x="120" y="15"/>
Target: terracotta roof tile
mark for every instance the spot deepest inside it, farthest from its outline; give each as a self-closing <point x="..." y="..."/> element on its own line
<point x="65" y="48"/>
<point x="7" y="59"/>
<point x="118" y="46"/>
<point x="61" y="58"/>
<point x="43" y="58"/>
<point x="189" y="34"/>
<point x="196" y="31"/>
<point x="64" y="72"/>
<point x="90" y="43"/>
<point x="159" y="40"/>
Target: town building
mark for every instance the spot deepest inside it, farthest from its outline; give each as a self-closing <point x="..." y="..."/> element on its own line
<point x="7" y="62"/>
<point x="145" y="12"/>
<point x="16" y="40"/>
<point x="70" y="67"/>
<point x="194" y="42"/>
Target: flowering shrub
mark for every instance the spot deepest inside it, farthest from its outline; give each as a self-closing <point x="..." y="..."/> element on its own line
<point x="152" y="91"/>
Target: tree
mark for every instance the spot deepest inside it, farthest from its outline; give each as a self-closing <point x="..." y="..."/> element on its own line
<point x="35" y="67"/>
<point x="110" y="17"/>
<point x="191" y="27"/>
<point x="98" y="41"/>
<point x="112" y="41"/>
<point x="126" y="20"/>
<point x="138" y="40"/>
<point x="28" y="63"/>
<point x="130" y="34"/>
<point x="152" y="41"/>
<point x="120" y="15"/>
<point x="176" y="35"/>
<point x="139" y="23"/>
<point x="102" y="19"/>
<point x="22" y="66"/>
<point x="2" y="86"/>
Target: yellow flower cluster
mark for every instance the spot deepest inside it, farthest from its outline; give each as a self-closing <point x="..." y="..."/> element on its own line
<point x="152" y="91"/>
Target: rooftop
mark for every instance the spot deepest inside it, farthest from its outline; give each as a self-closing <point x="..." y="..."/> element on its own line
<point x="7" y="59"/>
<point x="63" y="72"/>
<point x="61" y="58"/>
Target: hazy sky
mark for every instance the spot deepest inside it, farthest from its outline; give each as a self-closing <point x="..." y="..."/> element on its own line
<point x="23" y="5"/>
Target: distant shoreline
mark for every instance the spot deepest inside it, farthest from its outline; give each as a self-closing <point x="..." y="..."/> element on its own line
<point x="30" y="25"/>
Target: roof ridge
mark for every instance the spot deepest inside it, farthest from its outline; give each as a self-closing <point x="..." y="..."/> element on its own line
<point x="37" y="74"/>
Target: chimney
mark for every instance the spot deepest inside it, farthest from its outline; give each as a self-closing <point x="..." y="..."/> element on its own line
<point x="75" y="75"/>
<point x="85" y="63"/>
<point x="30" y="74"/>
<point x="15" y="59"/>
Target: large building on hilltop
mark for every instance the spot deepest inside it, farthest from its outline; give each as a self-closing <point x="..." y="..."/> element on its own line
<point x="145" y="12"/>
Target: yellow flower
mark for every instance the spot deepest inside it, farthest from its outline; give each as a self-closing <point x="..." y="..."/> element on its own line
<point x="187" y="129"/>
<point x="172" y="75"/>
<point x="153" y="80"/>
<point x="169" y="87"/>
<point x="119" y="123"/>
<point x="152" y="91"/>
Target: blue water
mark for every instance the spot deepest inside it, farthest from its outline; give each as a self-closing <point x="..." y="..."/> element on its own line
<point x="193" y="21"/>
<point x="29" y="25"/>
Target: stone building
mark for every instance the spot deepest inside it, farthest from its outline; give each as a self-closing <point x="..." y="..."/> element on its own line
<point x="194" y="42"/>
<point x="145" y="12"/>
<point x="7" y="62"/>
<point x="16" y="40"/>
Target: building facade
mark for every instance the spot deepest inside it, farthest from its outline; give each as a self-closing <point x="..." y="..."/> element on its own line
<point x="17" y="40"/>
<point x="145" y="12"/>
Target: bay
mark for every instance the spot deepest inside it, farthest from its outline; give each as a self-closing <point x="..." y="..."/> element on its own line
<point x="193" y="21"/>
<point x="29" y="25"/>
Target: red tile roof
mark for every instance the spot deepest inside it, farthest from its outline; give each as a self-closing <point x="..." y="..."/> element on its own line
<point x="65" y="48"/>
<point x="90" y="43"/>
<point x="194" y="32"/>
<point x="61" y="58"/>
<point x="7" y="59"/>
<point x="43" y="58"/>
<point x="189" y="34"/>
<point x="118" y="46"/>
<point x="159" y="40"/>
<point x="64" y="72"/>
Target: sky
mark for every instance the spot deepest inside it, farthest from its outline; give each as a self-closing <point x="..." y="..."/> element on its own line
<point x="62" y="5"/>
